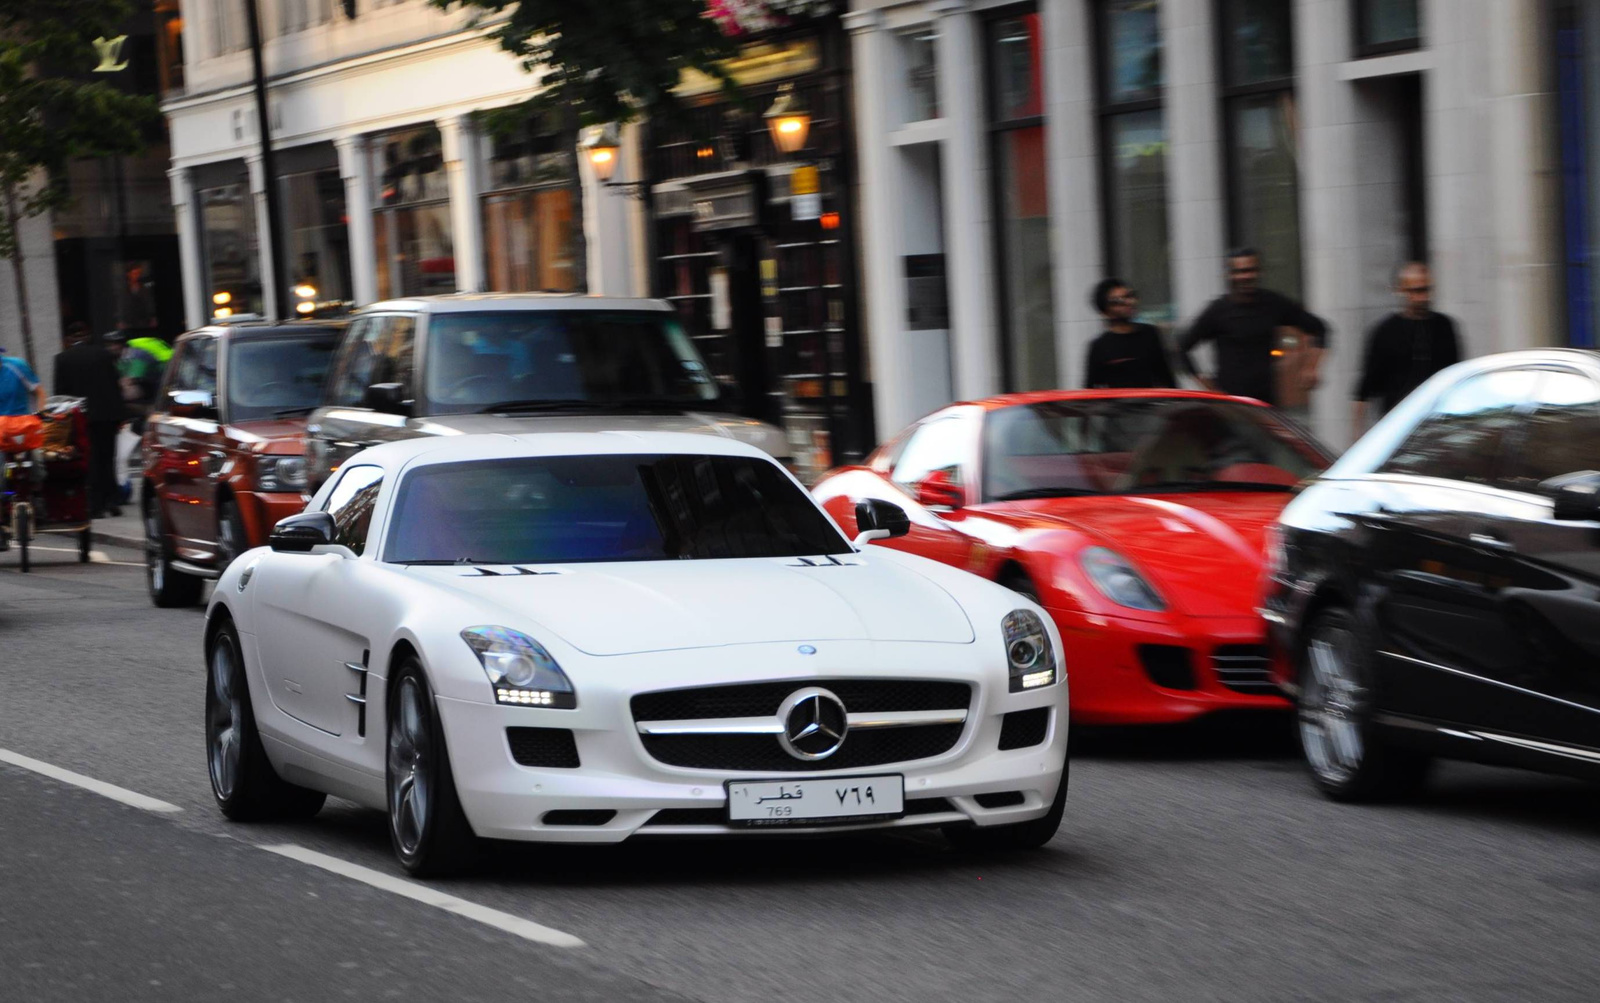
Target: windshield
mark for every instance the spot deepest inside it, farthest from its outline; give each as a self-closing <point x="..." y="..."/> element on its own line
<point x="567" y="509"/>
<point x="1141" y="446"/>
<point x="478" y="361"/>
<point x="278" y="377"/>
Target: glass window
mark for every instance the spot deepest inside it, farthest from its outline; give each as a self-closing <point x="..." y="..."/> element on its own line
<point x="233" y="257"/>
<point x="1462" y="439"/>
<point x="569" y="509"/>
<point x="1133" y="69"/>
<point x="351" y="502"/>
<point x="533" y="238"/>
<point x="396" y="351"/>
<point x="353" y="371"/>
<point x="277" y="377"/>
<point x="1138" y="446"/>
<point x="1021" y="194"/>
<point x="1260" y="41"/>
<point x="1561" y="432"/>
<point x="318" y="237"/>
<point x="920" y="56"/>
<point x="196" y="367"/>
<point x="940" y="444"/>
<point x="571" y="358"/>
<point x="1387" y="26"/>
<point x="412" y="229"/>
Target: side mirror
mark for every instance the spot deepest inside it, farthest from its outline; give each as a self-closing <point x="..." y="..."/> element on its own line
<point x="877" y="519"/>
<point x="191" y="404"/>
<point x="298" y="534"/>
<point x="389" y="398"/>
<point x="937" y="491"/>
<point x="1577" y="496"/>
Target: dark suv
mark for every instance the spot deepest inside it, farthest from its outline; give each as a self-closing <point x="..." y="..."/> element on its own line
<point x="224" y="450"/>
<point x="447" y="365"/>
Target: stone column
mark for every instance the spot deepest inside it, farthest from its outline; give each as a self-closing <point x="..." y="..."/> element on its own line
<point x="270" y="307"/>
<point x="883" y="287"/>
<point x="606" y="225"/>
<point x="969" y="241"/>
<point x="196" y="297"/>
<point x="460" y="140"/>
<point x="1196" y="212"/>
<point x="355" y="168"/>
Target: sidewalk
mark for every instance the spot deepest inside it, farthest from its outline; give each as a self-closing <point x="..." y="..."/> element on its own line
<point x="125" y="530"/>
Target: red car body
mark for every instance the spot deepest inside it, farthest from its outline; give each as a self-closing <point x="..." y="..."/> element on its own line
<point x="1201" y="551"/>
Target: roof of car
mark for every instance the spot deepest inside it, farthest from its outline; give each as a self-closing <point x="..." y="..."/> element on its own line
<point x="480" y="302"/>
<point x="431" y="449"/>
<point x="1045" y="396"/>
<point x="267" y="329"/>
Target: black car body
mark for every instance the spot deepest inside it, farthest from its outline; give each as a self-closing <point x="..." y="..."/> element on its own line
<point x="492" y="362"/>
<point x="1437" y="591"/>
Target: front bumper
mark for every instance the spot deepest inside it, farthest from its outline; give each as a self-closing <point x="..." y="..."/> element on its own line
<point x="1112" y="685"/>
<point x="505" y="800"/>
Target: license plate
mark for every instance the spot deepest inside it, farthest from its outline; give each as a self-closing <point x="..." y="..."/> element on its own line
<point x="816" y="802"/>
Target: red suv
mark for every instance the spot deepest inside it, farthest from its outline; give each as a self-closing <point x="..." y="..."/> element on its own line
<point x="224" y="447"/>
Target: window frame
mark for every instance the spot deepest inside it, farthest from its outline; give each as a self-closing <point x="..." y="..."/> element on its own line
<point x="1364" y="49"/>
<point x="386" y="216"/>
<point x="334" y="486"/>
<point x="1493" y="481"/>
<point x="567" y="141"/>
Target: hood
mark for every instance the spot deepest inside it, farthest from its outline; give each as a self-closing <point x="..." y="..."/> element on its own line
<point x="1203" y="552"/>
<point x="728" y="426"/>
<point x="619" y="609"/>
<point x="261" y="433"/>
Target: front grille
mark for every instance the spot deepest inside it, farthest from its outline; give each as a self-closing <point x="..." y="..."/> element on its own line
<point x="1244" y="668"/>
<point x="551" y="748"/>
<point x="1023" y="728"/>
<point x="763" y="754"/>
<point x="1168" y="666"/>
<point x="758" y="699"/>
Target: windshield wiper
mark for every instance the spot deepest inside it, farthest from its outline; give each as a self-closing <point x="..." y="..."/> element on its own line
<point x="1046" y="493"/>
<point x="290" y="412"/>
<point x="1195" y="487"/>
<point x="442" y="562"/>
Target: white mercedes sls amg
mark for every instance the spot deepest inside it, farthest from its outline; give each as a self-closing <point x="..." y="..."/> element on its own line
<point x="587" y="637"/>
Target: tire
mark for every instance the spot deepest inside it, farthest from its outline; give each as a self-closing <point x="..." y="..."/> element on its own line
<point x="24" y="527"/>
<point x="427" y="828"/>
<point x="168" y="588"/>
<point x="1345" y="751"/>
<point x="231" y="537"/>
<point x="243" y="781"/>
<point x="1028" y="835"/>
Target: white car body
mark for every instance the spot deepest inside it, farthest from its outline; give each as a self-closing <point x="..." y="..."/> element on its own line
<point x="308" y="623"/>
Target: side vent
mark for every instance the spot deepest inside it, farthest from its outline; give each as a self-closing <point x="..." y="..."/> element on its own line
<point x="359" y="698"/>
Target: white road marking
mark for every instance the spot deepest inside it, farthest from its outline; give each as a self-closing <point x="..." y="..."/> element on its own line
<point x="418" y="892"/>
<point x="95" y="556"/>
<point x="99" y="787"/>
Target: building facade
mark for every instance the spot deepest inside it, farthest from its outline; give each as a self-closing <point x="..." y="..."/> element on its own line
<point x="1025" y="151"/>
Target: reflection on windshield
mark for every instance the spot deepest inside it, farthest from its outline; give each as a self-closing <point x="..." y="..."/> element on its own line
<point x="567" y="509"/>
<point x="270" y="376"/>
<point x="476" y="360"/>
<point x="1134" y="446"/>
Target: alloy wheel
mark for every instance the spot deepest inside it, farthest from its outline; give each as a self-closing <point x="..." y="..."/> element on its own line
<point x="410" y="788"/>
<point x="1332" y="702"/>
<point x="224" y="718"/>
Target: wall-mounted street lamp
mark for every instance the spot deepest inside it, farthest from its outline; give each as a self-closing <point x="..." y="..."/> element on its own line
<point x="603" y="150"/>
<point x="789" y="121"/>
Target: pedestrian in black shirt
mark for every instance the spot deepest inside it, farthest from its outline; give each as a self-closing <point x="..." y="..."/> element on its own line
<point x="1407" y="347"/>
<point x="1247" y="326"/>
<point x="87" y="370"/>
<point x="1127" y="354"/>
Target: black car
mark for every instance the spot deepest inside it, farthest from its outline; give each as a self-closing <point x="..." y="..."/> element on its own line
<point x="1437" y="590"/>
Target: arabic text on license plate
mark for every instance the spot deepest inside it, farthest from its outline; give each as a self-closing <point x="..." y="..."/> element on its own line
<point x="808" y="802"/>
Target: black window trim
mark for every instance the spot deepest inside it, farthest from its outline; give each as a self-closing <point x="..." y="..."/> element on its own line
<point x="1366" y="50"/>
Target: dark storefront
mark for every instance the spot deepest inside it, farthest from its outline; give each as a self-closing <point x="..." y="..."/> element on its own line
<point x="756" y="248"/>
<point x="116" y="243"/>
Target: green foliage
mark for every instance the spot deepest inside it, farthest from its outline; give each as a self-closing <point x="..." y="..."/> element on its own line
<point x="50" y="114"/>
<point x="607" y="60"/>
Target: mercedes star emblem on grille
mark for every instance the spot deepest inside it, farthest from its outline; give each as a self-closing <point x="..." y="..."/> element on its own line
<point x="814" y="723"/>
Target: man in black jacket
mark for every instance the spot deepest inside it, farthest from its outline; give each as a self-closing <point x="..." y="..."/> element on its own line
<point x="1245" y="324"/>
<point x="1407" y="347"/>
<point x="1127" y="354"/>
<point x="87" y="370"/>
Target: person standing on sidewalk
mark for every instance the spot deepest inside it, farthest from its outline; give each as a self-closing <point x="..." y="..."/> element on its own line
<point x="1406" y="347"/>
<point x="1126" y="355"/>
<point x="87" y="370"/>
<point x="1267" y="346"/>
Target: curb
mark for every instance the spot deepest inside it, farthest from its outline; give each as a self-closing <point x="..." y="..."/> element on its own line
<point x="117" y="540"/>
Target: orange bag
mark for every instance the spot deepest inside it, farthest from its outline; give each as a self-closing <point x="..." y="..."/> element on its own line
<point x="20" y="433"/>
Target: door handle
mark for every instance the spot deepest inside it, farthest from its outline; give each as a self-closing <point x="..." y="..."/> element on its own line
<point x="1490" y="542"/>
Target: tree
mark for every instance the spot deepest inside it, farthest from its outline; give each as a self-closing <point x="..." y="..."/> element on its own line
<point x="50" y="113"/>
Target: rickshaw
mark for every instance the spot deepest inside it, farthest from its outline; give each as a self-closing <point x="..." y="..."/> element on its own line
<point x="44" y="480"/>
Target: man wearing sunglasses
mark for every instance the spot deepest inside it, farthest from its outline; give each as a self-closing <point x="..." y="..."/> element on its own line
<point x="1406" y="347"/>
<point x="1127" y="355"/>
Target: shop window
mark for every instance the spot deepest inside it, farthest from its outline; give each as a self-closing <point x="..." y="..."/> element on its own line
<point x="318" y="239"/>
<point x="1384" y="26"/>
<point x="411" y="222"/>
<point x="1261" y="125"/>
<point x="1020" y="180"/>
<point x="920" y="59"/>
<point x="231" y="247"/>
<point x="532" y="234"/>
<point x="1133" y="148"/>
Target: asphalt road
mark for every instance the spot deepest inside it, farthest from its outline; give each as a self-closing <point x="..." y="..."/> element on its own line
<point x="1192" y="865"/>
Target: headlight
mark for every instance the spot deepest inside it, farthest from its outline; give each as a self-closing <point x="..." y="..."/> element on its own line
<point x="1029" y="656"/>
<point x="519" y="668"/>
<point x="1118" y="581"/>
<point x="281" y="473"/>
